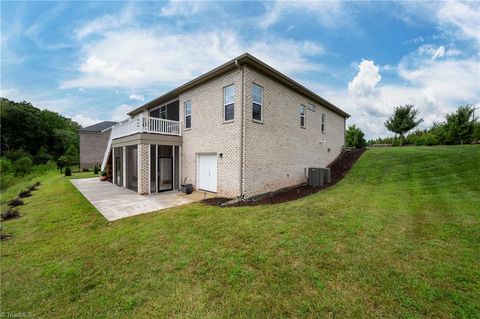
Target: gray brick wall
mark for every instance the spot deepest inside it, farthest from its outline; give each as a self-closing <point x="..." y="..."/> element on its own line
<point x="210" y="134"/>
<point x="278" y="150"/>
<point x="92" y="148"/>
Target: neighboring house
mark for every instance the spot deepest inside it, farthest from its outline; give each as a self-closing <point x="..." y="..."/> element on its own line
<point x="93" y="141"/>
<point x="241" y="129"/>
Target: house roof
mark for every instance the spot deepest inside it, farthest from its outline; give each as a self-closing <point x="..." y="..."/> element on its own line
<point x="98" y="127"/>
<point x="250" y="60"/>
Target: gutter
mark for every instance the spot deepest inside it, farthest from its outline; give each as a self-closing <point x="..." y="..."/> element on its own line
<point x="242" y="128"/>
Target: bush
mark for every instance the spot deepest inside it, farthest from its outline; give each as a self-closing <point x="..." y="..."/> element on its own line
<point x="420" y="141"/>
<point x="42" y="157"/>
<point x="68" y="171"/>
<point x="10" y="214"/>
<point x="355" y="137"/>
<point x="23" y="166"/>
<point x="430" y="139"/>
<point x="25" y="193"/>
<point x="7" y="180"/>
<point x="15" y="202"/>
<point x="17" y="154"/>
<point x="96" y="170"/>
<point x="103" y="173"/>
<point x="5" y="165"/>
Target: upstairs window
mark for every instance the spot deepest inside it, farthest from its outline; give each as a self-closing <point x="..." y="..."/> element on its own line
<point x="257" y="98"/>
<point x="188" y="113"/>
<point x="229" y="103"/>
<point x="163" y="112"/>
<point x="324" y="117"/>
<point x="301" y="111"/>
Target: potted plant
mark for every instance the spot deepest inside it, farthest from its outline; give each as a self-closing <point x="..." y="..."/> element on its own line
<point x="103" y="175"/>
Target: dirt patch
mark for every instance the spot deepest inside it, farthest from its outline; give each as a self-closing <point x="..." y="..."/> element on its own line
<point x="339" y="168"/>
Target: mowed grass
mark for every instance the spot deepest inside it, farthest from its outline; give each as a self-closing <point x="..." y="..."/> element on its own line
<point x="399" y="237"/>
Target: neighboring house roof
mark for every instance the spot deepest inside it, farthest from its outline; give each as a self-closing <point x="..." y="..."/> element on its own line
<point x="98" y="127"/>
<point x="249" y="59"/>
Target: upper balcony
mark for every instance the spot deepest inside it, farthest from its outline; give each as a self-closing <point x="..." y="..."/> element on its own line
<point x="146" y="124"/>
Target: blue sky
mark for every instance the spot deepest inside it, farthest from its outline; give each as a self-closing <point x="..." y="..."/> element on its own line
<point x="96" y="61"/>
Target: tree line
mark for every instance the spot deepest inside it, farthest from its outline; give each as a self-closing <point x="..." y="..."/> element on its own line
<point x="33" y="137"/>
<point x="459" y="127"/>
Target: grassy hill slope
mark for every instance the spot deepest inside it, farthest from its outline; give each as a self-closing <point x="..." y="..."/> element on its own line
<point x="398" y="237"/>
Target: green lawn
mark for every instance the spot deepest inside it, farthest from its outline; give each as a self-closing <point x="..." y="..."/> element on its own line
<point x="399" y="237"/>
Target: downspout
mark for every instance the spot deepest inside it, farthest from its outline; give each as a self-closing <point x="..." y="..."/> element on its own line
<point x="242" y="126"/>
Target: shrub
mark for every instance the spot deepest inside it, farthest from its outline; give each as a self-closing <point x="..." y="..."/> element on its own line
<point x="17" y="154"/>
<point x="430" y="139"/>
<point x="15" y="202"/>
<point x="85" y="170"/>
<point x="42" y="157"/>
<point x="68" y="171"/>
<point x="25" y="193"/>
<point x="355" y="137"/>
<point x="7" y="180"/>
<point x="96" y="170"/>
<point x="420" y="141"/>
<point x="103" y="173"/>
<point x="23" y="166"/>
<point x="5" y="165"/>
<point x="10" y="214"/>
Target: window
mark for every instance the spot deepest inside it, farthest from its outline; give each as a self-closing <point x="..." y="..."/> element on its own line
<point x="323" y="122"/>
<point x="257" y="99"/>
<point x="301" y="111"/>
<point x="188" y="114"/>
<point x="163" y="112"/>
<point x="229" y="103"/>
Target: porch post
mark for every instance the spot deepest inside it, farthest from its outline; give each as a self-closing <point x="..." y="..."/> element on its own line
<point x="142" y="174"/>
<point x="113" y="165"/>
<point x="124" y="168"/>
<point x="173" y="173"/>
<point x="179" y="165"/>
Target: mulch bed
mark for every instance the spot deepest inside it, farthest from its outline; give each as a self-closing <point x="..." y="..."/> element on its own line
<point x="339" y="168"/>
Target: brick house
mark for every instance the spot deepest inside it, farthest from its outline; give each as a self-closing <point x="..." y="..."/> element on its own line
<point x="242" y="128"/>
<point x="93" y="141"/>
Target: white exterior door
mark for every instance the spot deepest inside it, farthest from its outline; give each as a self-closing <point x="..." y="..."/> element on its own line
<point x="207" y="172"/>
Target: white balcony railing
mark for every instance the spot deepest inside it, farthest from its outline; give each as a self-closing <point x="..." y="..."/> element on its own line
<point x="146" y="124"/>
<point x="141" y="124"/>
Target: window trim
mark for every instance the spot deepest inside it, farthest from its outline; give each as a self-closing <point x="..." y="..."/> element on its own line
<point x="185" y="114"/>
<point x="261" y="104"/>
<point x="323" y="123"/>
<point x="303" y="115"/>
<point x="224" y="105"/>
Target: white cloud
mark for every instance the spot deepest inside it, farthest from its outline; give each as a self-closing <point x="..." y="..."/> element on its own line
<point x="106" y="22"/>
<point x="84" y="120"/>
<point x="365" y="81"/>
<point x="181" y="8"/>
<point x="136" y="97"/>
<point x="120" y="112"/>
<point x="137" y="58"/>
<point x="440" y="53"/>
<point x="464" y="16"/>
<point x="326" y="13"/>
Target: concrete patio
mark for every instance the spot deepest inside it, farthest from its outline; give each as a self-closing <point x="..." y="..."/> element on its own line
<point x="115" y="202"/>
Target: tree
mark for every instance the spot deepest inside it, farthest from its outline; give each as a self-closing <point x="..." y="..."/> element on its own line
<point x="460" y="126"/>
<point x="404" y="119"/>
<point x="355" y="137"/>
